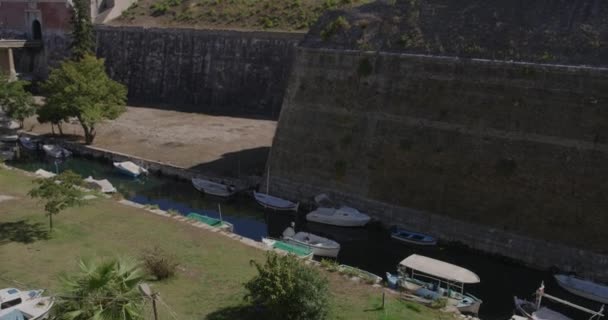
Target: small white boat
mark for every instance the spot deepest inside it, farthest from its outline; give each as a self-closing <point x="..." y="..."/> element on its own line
<point x="56" y="151"/>
<point x="413" y="237"/>
<point x="342" y="217"/>
<point x="129" y="168"/>
<point x="213" y="188"/>
<point x="44" y="174"/>
<point x="9" y="138"/>
<point x="28" y="143"/>
<point x="7" y="154"/>
<point x="365" y="275"/>
<point x="102" y="185"/>
<point x="289" y="248"/>
<point x="583" y="288"/>
<point x="28" y="305"/>
<point x="320" y="246"/>
<point x="268" y="201"/>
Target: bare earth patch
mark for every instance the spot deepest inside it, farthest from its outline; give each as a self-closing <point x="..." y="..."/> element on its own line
<point x="6" y="198"/>
<point x="220" y="144"/>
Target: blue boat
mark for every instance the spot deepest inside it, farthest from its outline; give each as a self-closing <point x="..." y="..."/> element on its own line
<point x="413" y="237"/>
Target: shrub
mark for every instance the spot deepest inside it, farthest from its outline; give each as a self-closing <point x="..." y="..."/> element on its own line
<point x="158" y="263"/>
<point x="439" y="303"/>
<point x="330" y="265"/>
<point x="287" y="289"/>
<point x="337" y="25"/>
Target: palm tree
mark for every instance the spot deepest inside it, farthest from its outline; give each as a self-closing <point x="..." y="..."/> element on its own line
<point x="106" y="290"/>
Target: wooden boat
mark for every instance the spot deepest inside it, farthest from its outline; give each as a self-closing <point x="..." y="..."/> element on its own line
<point x="320" y="246"/>
<point x="102" y="185"/>
<point x="413" y="237"/>
<point x="583" y="288"/>
<point x="433" y="279"/>
<point x="365" y="275"/>
<point x="30" y="305"/>
<point x="274" y="203"/>
<point x="129" y="168"/>
<point x="213" y="188"/>
<point x="56" y="151"/>
<point x="213" y="222"/>
<point x="535" y="311"/>
<point x="28" y="143"/>
<point x="289" y="248"/>
<point x="342" y="217"/>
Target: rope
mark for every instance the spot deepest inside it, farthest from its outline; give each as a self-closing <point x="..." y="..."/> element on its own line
<point x="171" y="312"/>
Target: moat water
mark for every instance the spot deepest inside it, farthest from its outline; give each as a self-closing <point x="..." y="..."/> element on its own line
<point x="369" y="248"/>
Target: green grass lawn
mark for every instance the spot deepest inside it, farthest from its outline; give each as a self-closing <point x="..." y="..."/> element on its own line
<point x="287" y="15"/>
<point x="212" y="268"/>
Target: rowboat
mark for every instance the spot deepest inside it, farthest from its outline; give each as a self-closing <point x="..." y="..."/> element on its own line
<point x="274" y="203"/>
<point x="434" y="279"/>
<point x="320" y="246"/>
<point x="535" y="311"/>
<point x="365" y="275"/>
<point x="413" y="237"/>
<point x="30" y="305"/>
<point x="289" y="248"/>
<point x="342" y="217"/>
<point x="28" y="143"/>
<point x="213" y="222"/>
<point x="213" y="188"/>
<point x="129" y="168"/>
<point x="102" y="185"/>
<point x="56" y="151"/>
<point x="583" y="288"/>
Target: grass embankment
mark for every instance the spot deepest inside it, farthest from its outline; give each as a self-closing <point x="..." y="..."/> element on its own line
<point x="212" y="268"/>
<point x="288" y="15"/>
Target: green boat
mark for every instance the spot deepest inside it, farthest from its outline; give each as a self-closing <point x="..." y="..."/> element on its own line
<point x="213" y="222"/>
<point x="297" y="250"/>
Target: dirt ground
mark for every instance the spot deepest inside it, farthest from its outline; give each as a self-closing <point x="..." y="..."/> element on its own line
<point x="213" y="144"/>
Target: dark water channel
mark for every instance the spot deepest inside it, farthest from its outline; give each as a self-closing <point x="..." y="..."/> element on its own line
<point x="369" y="248"/>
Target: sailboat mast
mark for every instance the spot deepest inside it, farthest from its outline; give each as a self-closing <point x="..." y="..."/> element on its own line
<point x="219" y="209"/>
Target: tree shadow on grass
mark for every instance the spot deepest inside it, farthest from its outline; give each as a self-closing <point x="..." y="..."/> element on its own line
<point x="242" y="312"/>
<point x="22" y="231"/>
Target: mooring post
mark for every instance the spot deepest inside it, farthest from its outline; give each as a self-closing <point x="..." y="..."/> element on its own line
<point x="383" y="300"/>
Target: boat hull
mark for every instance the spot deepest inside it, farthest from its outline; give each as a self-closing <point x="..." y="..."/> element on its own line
<point x="563" y="281"/>
<point x="331" y="220"/>
<point x="317" y="250"/>
<point x="265" y="201"/>
<point x="414" y="242"/>
<point x="212" y="188"/>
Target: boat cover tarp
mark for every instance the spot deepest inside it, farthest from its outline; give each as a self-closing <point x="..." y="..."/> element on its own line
<point x="440" y="269"/>
<point x="294" y="249"/>
<point x="13" y="315"/>
<point x="205" y="219"/>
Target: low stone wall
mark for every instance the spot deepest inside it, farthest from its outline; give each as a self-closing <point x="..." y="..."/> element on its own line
<point x="534" y="253"/>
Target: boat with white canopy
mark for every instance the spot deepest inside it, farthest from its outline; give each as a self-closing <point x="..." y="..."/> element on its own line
<point x="433" y="279"/>
<point x="583" y="288"/>
<point x="535" y="311"/>
<point x="24" y="305"/>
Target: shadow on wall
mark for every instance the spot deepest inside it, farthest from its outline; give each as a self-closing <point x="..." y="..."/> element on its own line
<point x="209" y="110"/>
<point x="236" y="164"/>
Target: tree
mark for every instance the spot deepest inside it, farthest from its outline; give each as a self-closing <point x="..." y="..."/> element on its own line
<point x="82" y="30"/>
<point x="58" y="193"/>
<point x="287" y="289"/>
<point x="56" y="115"/>
<point x="15" y="100"/>
<point x="102" y="290"/>
<point x="82" y="89"/>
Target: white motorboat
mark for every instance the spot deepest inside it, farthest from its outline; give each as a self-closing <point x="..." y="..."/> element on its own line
<point x="535" y="311"/>
<point x="320" y="246"/>
<point x="213" y="188"/>
<point x="271" y="202"/>
<point x="29" y="305"/>
<point x="9" y="138"/>
<point x="28" y="143"/>
<point x="129" y="168"/>
<point x="583" y="288"/>
<point x="342" y="217"/>
<point x="434" y="279"/>
<point x="102" y="185"/>
<point x="56" y="151"/>
<point x="44" y="174"/>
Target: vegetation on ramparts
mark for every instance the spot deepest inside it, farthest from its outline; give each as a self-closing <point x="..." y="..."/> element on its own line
<point x="288" y="15"/>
